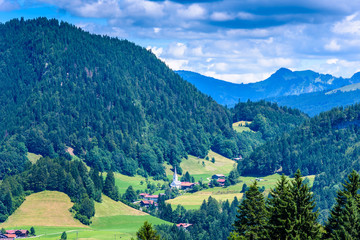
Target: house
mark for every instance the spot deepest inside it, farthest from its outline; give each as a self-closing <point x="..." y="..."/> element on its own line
<point x="4" y="237"/>
<point x="18" y="233"/>
<point x="221" y="181"/>
<point x="151" y="197"/>
<point x="259" y="179"/>
<point x="218" y="176"/>
<point x="187" y="185"/>
<point x="183" y="225"/>
<point x="9" y="236"/>
<point x="147" y="203"/>
<point x="142" y="195"/>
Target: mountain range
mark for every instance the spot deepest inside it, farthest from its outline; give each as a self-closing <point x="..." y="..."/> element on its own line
<point x="308" y="91"/>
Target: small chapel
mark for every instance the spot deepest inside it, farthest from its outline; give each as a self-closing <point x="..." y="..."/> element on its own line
<point x="175" y="183"/>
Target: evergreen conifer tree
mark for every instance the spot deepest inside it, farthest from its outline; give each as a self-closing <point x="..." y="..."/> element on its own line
<point x="146" y="232"/>
<point x="252" y="215"/>
<point x="280" y="219"/>
<point x="63" y="236"/>
<point x="344" y="220"/>
<point x="130" y="194"/>
<point x="301" y="210"/>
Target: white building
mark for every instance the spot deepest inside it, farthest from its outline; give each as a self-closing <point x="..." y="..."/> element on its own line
<point x="175" y="183"/>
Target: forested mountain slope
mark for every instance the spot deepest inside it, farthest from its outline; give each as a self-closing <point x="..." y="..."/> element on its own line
<point x="114" y="102"/>
<point x="328" y="145"/>
<point x="266" y="121"/>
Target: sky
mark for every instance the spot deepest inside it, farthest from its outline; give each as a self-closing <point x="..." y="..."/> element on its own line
<point x="239" y="41"/>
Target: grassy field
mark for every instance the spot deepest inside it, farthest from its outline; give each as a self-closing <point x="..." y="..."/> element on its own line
<point x="241" y="126"/>
<point x="48" y="208"/>
<point x="123" y="182"/>
<point x="199" y="170"/>
<point x="193" y="201"/>
<point x="33" y="157"/>
<point x="48" y="213"/>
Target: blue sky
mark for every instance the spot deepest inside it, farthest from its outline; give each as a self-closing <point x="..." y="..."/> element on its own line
<point x="234" y="40"/>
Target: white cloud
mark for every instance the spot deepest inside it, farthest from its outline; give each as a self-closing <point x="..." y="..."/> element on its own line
<point x="333" y="46"/>
<point x="332" y="61"/>
<point x="177" y="50"/>
<point x="156" y="51"/>
<point x="221" y="16"/>
<point x="350" y="25"/>
<point x="6" y="5"/>
<point x="194" y="11"/>
<point x="177" y="64"/>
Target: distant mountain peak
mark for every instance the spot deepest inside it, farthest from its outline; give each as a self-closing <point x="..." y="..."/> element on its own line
<point x="356" y="76"/>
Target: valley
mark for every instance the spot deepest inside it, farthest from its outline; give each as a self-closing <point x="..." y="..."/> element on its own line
<point x="100" y="137"/>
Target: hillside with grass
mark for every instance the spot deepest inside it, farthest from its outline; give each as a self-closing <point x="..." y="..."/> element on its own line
<point x="204" y="168"/>
<point x="48" y="212"/>
<point x="48" y="208"/>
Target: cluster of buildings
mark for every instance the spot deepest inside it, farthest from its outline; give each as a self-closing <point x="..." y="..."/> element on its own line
<point x="148" y="199"/>
<point x="180" y="185"/>
<point x="12" y="234"/>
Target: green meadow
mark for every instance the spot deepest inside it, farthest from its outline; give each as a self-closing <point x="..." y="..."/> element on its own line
<point x="241" y="126"/>
<point x="202" y="169"/>
<point x="48" y="212"/>
<point x="194" y="201"/>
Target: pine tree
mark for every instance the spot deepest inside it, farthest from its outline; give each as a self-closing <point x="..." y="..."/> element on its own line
<point x="301" y="211"/>
<point x="32" y="231"/>
<point x="63" y="236"/>
<point x="280" y="219"/>
<point x="344" y="220"/>
<point x="252" y="215"/>
<point x="146" y="232"/>
<point x="130" y="194"/>
<point x="109" y="188"/>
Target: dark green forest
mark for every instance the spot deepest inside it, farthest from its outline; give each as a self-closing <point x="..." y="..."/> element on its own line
<point x="115" y="103"/>
<point x="268" y="120"/>
<point x="326" y="145"/>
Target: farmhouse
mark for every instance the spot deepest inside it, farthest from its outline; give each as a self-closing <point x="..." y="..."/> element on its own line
<point x="183" y="225"/>
<point x="221" y="181"/>
<point x="7" y="236"/>
<point x="147" y="203"/>
<point x="151" y="197"/>
<point x="142" y="195"/>
<point x="187" y="185"/>
<point x="17" y="233"/>
<point x="218" y="176"/>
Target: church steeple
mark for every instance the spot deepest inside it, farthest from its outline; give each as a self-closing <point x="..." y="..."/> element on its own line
<point x="175" y="177"/>
<point x="175" y="183"/>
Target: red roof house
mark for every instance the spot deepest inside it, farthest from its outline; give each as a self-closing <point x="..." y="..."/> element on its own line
<point x="183" y="225"/>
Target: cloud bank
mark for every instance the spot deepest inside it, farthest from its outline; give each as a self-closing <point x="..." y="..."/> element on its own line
<point x="238" y="41"/>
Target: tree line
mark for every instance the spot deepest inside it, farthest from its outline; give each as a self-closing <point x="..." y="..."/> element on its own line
<point x="70" y="177"/>
<point x="289" y="212"/>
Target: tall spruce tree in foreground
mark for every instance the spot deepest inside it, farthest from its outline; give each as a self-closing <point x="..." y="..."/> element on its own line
<point x="301" y="210"/>
<point x="110" y="189"/>
<point x="251" y="220"/>
<point x="344" y="220"/>
<point x="278" y="206"/>
<point x="146" y="232"/>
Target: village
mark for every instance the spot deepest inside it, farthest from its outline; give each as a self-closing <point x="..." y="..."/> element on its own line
<point x="148" y="200"/>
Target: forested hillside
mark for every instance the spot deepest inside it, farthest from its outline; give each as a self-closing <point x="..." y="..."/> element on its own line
<point x="328" y="145"/>
<point x="115" y="103"/>
<point x="266" y="121"/>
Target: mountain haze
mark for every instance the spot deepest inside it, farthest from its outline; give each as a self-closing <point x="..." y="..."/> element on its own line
<point x="281" y="87"/>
